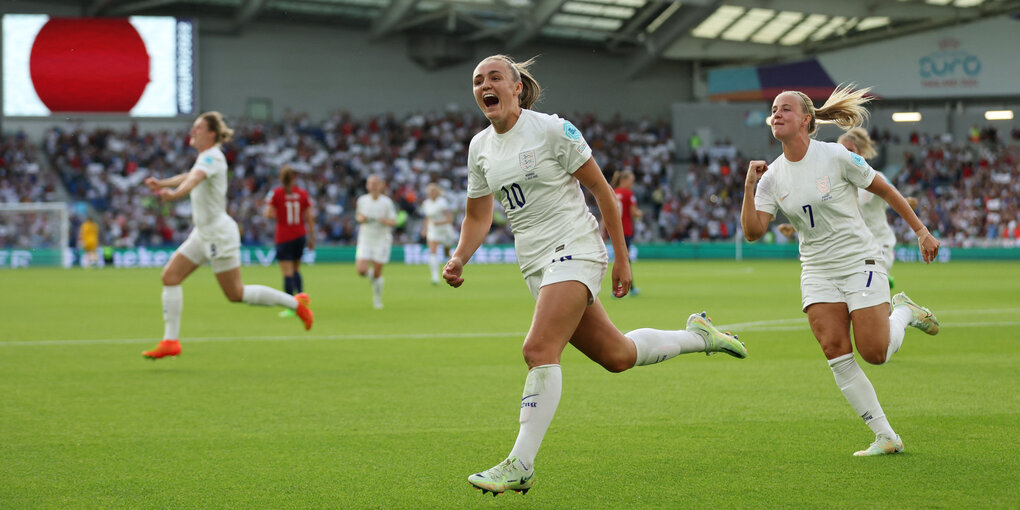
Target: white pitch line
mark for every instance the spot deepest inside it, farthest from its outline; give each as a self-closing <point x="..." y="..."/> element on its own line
<point x="410" y="336"/>
<point x="790" y="324"/>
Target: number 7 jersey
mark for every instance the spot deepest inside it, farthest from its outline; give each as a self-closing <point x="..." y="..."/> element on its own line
<point x="819" y="196"/>
<point x="530" y="170"/>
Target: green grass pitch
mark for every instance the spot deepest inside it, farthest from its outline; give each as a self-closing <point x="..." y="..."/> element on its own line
<point x="395" y="408"/>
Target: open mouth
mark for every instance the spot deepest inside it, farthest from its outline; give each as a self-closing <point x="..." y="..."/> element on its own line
<point x="490" y="100"/>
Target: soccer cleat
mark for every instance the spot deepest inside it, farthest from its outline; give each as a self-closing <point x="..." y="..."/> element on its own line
<point x="303" y="311"/>
<point x="165" y="348"/>
<point x="715" y="340"/>
<point x="920" y="317"/>
<point x="377" y="302"/>
<point x="883" y="445"/>
<point x="507" y="475"/>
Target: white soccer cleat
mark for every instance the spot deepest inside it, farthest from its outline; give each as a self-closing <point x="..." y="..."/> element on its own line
<point x="883" y="445"/>
<point x="507" y="475"/>
<point x="715" y="340"/>
<point x="377" y="302"/>
<point x="920" y="317"/>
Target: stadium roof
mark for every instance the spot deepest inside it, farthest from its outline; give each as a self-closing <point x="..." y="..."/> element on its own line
<point x="711" y="32"/>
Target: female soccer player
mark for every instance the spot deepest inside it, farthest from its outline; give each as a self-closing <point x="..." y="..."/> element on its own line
<point x="534" y="163"/>
<point x="439" y="232"/>
<point x="377" y="216"/>
<point x="215" y="238"/>
<point x="858" y="142"/>
<point x="623" y="184"/>
<point x="843" y="282"/>
<point x="290" y="206"/>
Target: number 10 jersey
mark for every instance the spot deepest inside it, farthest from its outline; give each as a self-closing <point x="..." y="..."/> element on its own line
<point x="530" y="170"/>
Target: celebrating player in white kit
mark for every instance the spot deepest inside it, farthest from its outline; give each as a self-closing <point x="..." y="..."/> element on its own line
<point x="439" y="232"/>
<point x="377" y="216"/>
<point x="842" y="281"/>
<point x="873" y="209"/>
<point x="214" y="239"/>
<point x="534" y="163"/>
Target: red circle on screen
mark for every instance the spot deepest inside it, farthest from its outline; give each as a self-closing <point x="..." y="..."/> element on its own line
<point x="89" y="65"/>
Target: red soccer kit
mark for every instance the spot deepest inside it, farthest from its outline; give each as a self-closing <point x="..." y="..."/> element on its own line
<point x="626" y="199"/>
<point x="290" y="213"/>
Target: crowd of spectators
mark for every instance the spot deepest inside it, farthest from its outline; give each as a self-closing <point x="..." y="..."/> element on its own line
<point x="333" y="158"/>
<point x="22" y="179"/>
<point x="968" y="189"/>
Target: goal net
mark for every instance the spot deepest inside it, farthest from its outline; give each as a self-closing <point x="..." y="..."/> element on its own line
<point x="34" y="234"/>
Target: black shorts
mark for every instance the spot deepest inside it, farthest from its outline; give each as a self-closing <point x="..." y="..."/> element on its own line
<point x="290" y="251"/>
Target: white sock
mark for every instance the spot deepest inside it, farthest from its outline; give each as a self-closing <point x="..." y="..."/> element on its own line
<point x="377" y="286"/>
<point x="173" y="305"/>
<point x="370" y="273"/>
<point x="656" y="345"/>
<point x="434" y="265"/>
<point x="267" y="296"/>
<point x="538" y="405"/>
<point x="898" y="320"/>
<point x="860" y="393"/>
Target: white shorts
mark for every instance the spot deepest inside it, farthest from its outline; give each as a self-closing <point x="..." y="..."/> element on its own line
<point x="376" y="251"/>
<point x="219" y="246"/>
<point x="442" y="234"/>
<point x="588" y="272"/>
<point x="863" y="289"/>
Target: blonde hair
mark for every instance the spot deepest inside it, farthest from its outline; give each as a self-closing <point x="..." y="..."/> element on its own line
<point x="214" y="120"/>
<point x="619" y="176"/>
<point x="844" y="108"/>
<point x="287" y="175"/>
<point x="520" y="70"/>
<point x="861" y="139"/>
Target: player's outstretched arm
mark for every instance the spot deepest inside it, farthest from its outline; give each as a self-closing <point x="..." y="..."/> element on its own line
<point x="192" y="179"/>
<point x="926" y="242"/>
<point x="592" y="178"/>
<point x="477" y="220"/>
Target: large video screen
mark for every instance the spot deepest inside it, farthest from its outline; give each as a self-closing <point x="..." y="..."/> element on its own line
<point x="138" y="66"/>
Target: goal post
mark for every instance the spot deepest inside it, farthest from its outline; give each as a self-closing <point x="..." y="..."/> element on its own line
<point x="35" y="234"/>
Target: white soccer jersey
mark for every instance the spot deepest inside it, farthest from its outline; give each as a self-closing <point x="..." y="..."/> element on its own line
<point x="819" y="196"/>
<point x="375" y="210"/>
<point x="435" y="210"/>
<point x="530" y="170"/>
<point x="209" y="198"/>
<point x="873" y="210"/>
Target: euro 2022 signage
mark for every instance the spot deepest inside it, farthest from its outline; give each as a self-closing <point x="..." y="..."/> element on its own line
<point x="951" y="67"/>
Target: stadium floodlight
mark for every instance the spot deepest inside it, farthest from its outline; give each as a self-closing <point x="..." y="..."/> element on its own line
<point x="999" y="115"/>
<point x="906" y="117"/>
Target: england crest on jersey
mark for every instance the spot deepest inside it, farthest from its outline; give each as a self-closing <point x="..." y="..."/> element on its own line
<point x="527" y="160"/>
<point x="823" y="187"/>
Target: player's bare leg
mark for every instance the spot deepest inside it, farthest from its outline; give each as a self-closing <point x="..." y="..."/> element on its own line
<point x="174" y="273"/>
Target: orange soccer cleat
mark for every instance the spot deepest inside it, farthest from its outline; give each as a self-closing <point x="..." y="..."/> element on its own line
<point x="165" y="348"/>
<point x="303" y="311"/>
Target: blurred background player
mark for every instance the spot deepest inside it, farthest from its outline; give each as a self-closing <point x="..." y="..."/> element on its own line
<point x="88" y="240"/>
<point x="842" y="283"/>
<point x="290" y="206"/>
<point x="377" y="216"/>
<point x="858" y="142"/>
<point x="536" y="163"/>
<point x="215" y="237"/>
<point x="438" y="227"/>
<point x="623" y="186"/>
